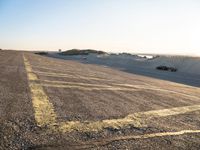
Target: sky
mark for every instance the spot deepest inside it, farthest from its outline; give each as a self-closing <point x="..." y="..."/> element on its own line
<point x="135" y="26"/>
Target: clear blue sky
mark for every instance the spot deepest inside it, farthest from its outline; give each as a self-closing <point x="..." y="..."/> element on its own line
<point x="152" y="26"/>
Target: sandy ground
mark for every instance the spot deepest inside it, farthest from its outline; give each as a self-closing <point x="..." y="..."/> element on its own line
<point x="49" y="103"/>
<point x="188" y="67"/>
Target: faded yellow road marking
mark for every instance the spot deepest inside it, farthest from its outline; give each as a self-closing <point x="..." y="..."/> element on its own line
<point x="113" y="87"/>
<point x="76" y="83"/>
<point x="91" y="144"/>
<point x="28" y="68"/>
<point x="170" y="111"/>
<point x="150" y="87"/>
<point x="136" y="119"/>
<point x="71" y="69"/>
<point x="47" y="68"/>
<point x="174" y="92"/>
<point x="44" y="112"/>
<point x="93" y="84"/>
<point x="45" y="115"/>
<point x="53" y="69"/>
<point x="96" y="126"/>
<point x="161" y="134"/>
<point x="88" y="88"/>
<point x="68" y="76"/>
<point x="125" y="85"/>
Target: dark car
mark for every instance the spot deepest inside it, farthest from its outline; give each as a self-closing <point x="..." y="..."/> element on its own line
<point x="166" y="68"/>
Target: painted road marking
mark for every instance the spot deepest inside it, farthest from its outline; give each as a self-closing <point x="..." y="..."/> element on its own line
<point x="136" y="119"/>
<point x="76" y="83"/>
<point x="149" y="87"/>
<point x="146" y="86"/>
<point x="44" y="112"/>
<point x="28" y="68"/>
<point x="92" y="144"/>
<point x="93" y="84"/>
<point x="68" y="76"/>
<point x="113" y="87"/>
<point x="45" y="115"/>
<point x="65" y="70"/>
<point x="88" y="88"/>
<point x="145" y="136"/>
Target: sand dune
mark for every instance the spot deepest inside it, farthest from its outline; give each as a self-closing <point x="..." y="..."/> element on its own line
<point x="188" y="67"/>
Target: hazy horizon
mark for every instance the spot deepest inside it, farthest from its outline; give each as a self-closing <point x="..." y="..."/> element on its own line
<point x="159" y="27"/>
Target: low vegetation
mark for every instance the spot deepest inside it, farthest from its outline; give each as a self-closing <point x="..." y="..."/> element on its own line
<point x="82" y="52"/>
<point x="166" y="68"/>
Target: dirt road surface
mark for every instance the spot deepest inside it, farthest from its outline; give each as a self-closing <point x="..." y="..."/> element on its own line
<point x="47" y="103"/>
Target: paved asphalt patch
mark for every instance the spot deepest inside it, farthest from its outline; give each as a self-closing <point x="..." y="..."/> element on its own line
<point x="48" y="103"/>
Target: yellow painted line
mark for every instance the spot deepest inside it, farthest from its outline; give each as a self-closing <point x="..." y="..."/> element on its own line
<point x="161" y="134"/>
<point x="89" y="72"/>
<point x="31" y="76"/>
<point x="105" y="141"/>
<point x="44" y="112"/>
<point x="93" y="84"/>
<point x="96" y="126"/>
<point x="78" y="72"/>
<point x="130" y="85"/>
<point x="53" y="69"/>
<point x="45" y="115"/>
<point x="125" y="85"/>
<point x="119" y="87"/>
<point x="136" y="119"/>
<point x="68" y="76"/>
<point x="76" y="83"/>
<point x="174" y="92"/>
<point x="149" y="87"/>
<point x="170" y="111"/>
<point x="88" y="88"/>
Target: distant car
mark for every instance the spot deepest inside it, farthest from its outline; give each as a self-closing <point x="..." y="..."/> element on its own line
<point x="41" y="53"/>
<point x="166" y="68"/>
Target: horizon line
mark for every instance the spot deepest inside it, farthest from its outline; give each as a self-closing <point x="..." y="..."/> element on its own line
<point x="137" y="53"/>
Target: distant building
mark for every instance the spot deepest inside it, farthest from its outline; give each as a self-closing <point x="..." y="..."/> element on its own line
<point x="59" y="50"/>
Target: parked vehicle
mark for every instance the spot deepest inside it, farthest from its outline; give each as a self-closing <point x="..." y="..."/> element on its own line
<point x="166" y="68"/>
